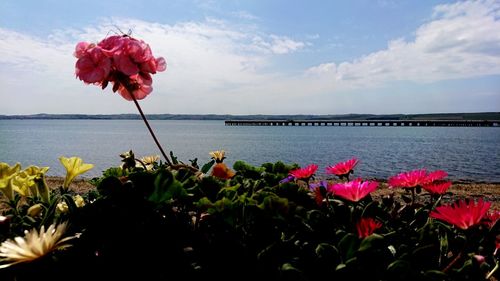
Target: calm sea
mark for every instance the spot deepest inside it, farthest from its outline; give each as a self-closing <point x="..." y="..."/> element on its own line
<point x="465" y="153"/>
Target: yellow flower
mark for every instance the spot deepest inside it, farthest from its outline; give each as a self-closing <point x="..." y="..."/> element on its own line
<point x="218" y="155"/>
<point x="35" y="210"/>
<point x="26" y="181"/>
<point x="148" y="161"/>
<point x="22" y="183"/>
<point x="79" y="201"/>
<point x="6" y="174"/>
<point x="62" y="207"/>
<point x="33" y="245"/>
<point x="74" y="167"/>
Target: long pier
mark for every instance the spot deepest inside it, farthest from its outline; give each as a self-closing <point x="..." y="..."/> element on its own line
<point x="400" y="123"/>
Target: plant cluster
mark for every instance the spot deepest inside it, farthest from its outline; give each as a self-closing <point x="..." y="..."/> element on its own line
<point x="275" y="221"/>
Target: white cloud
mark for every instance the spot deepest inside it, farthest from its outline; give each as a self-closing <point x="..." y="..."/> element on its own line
<point x="206" y="62"/>
<point x="462" y="40"/>
<point x="216" y="67"/>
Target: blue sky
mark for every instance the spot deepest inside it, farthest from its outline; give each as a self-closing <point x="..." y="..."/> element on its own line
<point x="261" y="57"/>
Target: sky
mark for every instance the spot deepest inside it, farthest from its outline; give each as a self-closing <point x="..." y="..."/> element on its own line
<point x="260" y="57"/>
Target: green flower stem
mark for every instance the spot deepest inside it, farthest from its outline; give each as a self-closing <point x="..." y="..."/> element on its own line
<point x="450" y="265"/>
<point x="149" y="128"/>
<point x="497" y="265"/>
<point x="413" y="196"/>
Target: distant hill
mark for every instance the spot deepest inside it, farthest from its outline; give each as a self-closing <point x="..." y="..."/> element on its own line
<point x="433" y="116"/>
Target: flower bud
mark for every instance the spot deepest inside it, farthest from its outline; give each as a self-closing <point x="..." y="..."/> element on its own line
<point x="62" y="207"/>
<point x="79" y="201"/>
<point x="35" y="210"/>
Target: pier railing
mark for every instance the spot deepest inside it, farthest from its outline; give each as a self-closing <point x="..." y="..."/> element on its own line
<point x="400" y="123"/>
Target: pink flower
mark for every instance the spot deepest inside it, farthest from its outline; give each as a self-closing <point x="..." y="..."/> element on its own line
<point x="343" y="168"/>
<point x="318" y="196"/>
<point x="354" y="190"/>
<point x="92" y="66"/>
<point x="81" y="49"/>
<point x="122" y="60"/>
<point x="437" y="187"/>
<point x="479" y="258"/>
<point x="462" y="214"/>
<point x="141" y="86"/>
<point x="366" y="227"/>
<point x="491" y="218"/>
<point x="409" y="179"/>
<point x="435" y="176"/>
<point x="153" y="65"/>
<point x="304" y="173"/>
<point x="113" y="44"/>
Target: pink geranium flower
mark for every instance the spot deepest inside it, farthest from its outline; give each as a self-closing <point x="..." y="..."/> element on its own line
<point x="366" y="227"/>
<point x="122" y="60"/>
<point x="140" y="85"/>
<point x="343" y="168"/>
<point x="409" y="179"/>
<point x="437" y="187"/>
<point x="93" y="66"/>
<point x="354" y="190"/>
<point x="462" y="214"/>
<point x="304" y="173"/>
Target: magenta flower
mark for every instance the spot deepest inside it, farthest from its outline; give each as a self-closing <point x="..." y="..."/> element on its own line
<point x="366" y="227"/>
<point x="462" y="214"/>
<point x="316" y="188"/>
<point x="304" y="173"/>
<point x="437" y="187"/>
<point x="318" y="195"/>
<point x="342" y="169"/>
<point x="354" y="190"/>
<point x="491" y="218"/>
<point x="409" y="179"/>
<point x="435" y="176"/>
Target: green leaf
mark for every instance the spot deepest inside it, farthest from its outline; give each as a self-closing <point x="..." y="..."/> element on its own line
<point x="348" y="246"/>
<point x="443" y="244"/>
<point x="194" y="162"/>
<point x="328" y="252"/>
<point x="166" y="188"/>
<point x="371" y="242"/>
<point x="174" y="159"/>
<point x="109" y="186"/>
<point x="230" y="192"/>
<point x="435" y="275"/>
<point x="207" y="166"/>
<point x="204" y="203"/>
<point x="371" y="210"/>
<point x="400" y="270"/>
<point x="289" y="272"/>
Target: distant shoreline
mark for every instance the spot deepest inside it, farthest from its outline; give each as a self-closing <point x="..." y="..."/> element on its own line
<point x="432" y="116"/>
